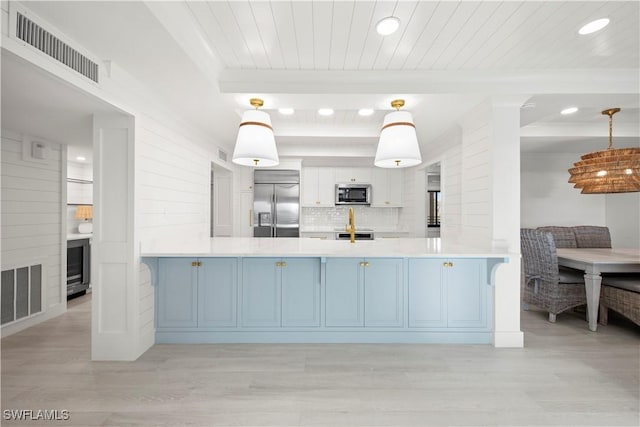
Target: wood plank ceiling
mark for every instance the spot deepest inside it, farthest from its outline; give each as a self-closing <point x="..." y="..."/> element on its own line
<point x="340" y="35"/>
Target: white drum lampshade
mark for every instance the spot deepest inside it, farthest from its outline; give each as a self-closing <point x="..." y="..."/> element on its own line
<point x="398" y="145"/>
<point x="255" y="144"/>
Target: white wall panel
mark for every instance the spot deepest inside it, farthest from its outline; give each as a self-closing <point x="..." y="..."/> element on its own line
<point x="548" y="199"/>
<point x="172" y="201"/>
<point x="31" y="215"/>
<point x="622" y="215"/>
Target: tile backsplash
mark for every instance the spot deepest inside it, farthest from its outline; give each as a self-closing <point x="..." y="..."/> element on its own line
<point x="366" y="217"/>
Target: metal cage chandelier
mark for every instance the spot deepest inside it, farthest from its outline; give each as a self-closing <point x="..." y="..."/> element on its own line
<point x="608" y="171"/>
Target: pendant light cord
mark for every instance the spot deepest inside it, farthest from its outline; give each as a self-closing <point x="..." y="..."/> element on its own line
<point x="610" y="131"/>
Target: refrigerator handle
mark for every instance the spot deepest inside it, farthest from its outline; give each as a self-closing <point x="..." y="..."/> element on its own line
<point x="274" y="222"/>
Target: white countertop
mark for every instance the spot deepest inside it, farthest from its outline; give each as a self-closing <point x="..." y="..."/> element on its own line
<point x="304" y="247"/>
<point x="78" y="236"/>
<point x="332" y="229"/>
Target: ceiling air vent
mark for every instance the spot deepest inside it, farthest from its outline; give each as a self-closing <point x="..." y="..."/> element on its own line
<point x="222" y="155"/>
<point x="33" y="34"/>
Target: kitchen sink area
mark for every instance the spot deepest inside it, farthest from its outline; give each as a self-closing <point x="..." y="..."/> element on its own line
<point x="360" y="234"/>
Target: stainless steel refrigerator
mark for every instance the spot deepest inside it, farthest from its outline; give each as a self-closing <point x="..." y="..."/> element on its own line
<point x="276" y="203"/>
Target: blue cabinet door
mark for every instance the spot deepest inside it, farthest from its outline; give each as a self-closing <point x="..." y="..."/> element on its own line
<point x="300" y="292"/>
<point x="427" y="298"/>
<point x="261" y="292"/>
<point x="177" y="293"/>
<point x="344" y="299"/>
<point x="217" y="292"/>
<point x="383" y="292"/>
<point x="466" y="293"/>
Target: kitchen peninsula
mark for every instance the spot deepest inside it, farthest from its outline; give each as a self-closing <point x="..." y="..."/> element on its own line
<point x="411" y="290"/>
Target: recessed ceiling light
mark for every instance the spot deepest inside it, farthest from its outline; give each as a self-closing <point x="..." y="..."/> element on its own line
<point x="81" y="159"/>
<point x="388" y="25"/>
<point x="569" y="110"/>
<point x="325" y="111"/>
<point x="286" y="111"/>
<point x="365" y="111"/>
<point x="594" y="26"/>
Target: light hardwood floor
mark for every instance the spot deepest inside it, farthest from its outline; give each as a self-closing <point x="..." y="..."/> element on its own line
<point x="564" y="376"/>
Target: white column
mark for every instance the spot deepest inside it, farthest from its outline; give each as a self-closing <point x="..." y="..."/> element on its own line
<point x="114" y="331"/>
<point x="505" y="200"/>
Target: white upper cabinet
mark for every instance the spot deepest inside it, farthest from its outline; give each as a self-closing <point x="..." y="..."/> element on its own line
<point x="386" y="187"/>
<point x="318" y="187"/>
<point x="349" y="175"/>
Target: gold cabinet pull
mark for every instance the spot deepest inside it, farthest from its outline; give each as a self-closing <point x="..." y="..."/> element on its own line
<point x="317" y="202"/>
<point x="366" y="264"/>
<point x="445" y="264"/>
<point x="361" y="264"/>
<point x="283" y="264"/>
<point x="450" y="264"/>
<point x="194" y="263"/>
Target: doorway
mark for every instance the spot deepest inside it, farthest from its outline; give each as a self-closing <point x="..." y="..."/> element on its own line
<point x="433" y="200"/>
<point x="221" y="208"/>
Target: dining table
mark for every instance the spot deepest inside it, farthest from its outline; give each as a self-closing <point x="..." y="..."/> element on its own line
<point x="594" y="262"/>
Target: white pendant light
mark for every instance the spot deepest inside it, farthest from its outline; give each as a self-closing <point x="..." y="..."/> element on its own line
<point x="255" y="144"/>
<point x="398" y="146"/>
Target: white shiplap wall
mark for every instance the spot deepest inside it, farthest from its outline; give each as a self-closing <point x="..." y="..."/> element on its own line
<point x="475" y="197"/>
<point x="447" y="150"/>
<point x="172" y="200"/>
<point x="32" y="200"/>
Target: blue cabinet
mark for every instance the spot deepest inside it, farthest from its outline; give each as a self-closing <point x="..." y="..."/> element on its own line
<point x="344" y="299"/>
<point x="448" y="293"/>
<point x="177" y="293"/>
<point x="197" y="292"/>
<point x="300" y="292"/>
<point x="217" y="292"/>
<point x="281" y="292"/>
<point x="383" y="295"/>
<point x="427" y="298"/>
<point x="466" y="293"/>
<point x="261" y="292"/>
<point x="364" y="292"/>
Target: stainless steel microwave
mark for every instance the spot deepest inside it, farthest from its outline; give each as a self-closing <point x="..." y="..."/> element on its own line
<point x="353" y="194"/>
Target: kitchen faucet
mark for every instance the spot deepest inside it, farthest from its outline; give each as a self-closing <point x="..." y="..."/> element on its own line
<point x="351" y="228"/>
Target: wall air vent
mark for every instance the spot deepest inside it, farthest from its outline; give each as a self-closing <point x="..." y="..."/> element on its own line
<point x="33" y="34"/>
<point x="222" y="155"/>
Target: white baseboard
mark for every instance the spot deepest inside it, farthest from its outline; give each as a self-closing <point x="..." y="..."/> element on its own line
<point x="508" y="339"/>
<point x="21" y="325"/>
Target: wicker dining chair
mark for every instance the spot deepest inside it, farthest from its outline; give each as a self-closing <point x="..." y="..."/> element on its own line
<point x="564" y="237"/>
<point x="592" y="236"/>
<point x="545" y="285"/>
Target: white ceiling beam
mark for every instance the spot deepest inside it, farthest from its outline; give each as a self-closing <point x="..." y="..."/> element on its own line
<point x="605" y="81"/>
<point x="326" y="150"/>
<point x="328" y="132"/>
<point x="620" y="130"/>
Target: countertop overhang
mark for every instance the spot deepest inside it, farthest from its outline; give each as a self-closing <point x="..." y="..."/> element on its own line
<point x="308" y="247"/>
